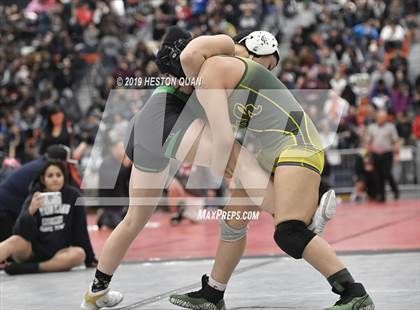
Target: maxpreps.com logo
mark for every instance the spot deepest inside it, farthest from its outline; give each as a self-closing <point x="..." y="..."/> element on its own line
<point x="244" y="112"/>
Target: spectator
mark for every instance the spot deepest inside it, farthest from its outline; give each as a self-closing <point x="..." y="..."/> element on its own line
<point x="338" y="83"/>
<point x="15" y="188"/>
<point x="89" y="126"/>
<point x="380" y="95"/>
<point x="404" y="125"/>
<point x="114" y="161"/>
<point x="347" y="136"/>
<point x="249" y="19"/>
<point x="401" y="78"/>
<point x="70" y="54"/>
<point x="328" y="57"/>
<point x="161" y="21"/>
<point x="392" y="34"/>
<point x="50" y="233"/>
<point x="365" y="179"/>
<point x="336" y="42"/>
<point x="364" y="32"/>
<point x="57" y="131"/>
<point x="416" y="136"/>
<point x="306" y="57"/>
<point x="335" y="107"/>
<point x="198" y="6"/>
<point x="400" y="98"/>
<point x="349" y="95"/>
<point x="220" y="25"/>
<point x="416" y="104"/>
<point x="399" y="62"/>
<point x="382" y="141"/>
<point x="84" y="14"/>
<point x="290" y="8"/>
<point x="382" y="73"/>
<point x="352" y="58"/>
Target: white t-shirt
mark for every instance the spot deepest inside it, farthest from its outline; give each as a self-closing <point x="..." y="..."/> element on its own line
<point x="389" y="34"/>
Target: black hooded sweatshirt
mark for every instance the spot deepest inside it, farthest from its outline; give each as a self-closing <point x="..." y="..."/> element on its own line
<point x="50" y="230"/>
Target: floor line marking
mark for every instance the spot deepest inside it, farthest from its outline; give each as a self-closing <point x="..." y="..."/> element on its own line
<point x="161" y="296"/>
<point x="372" y="229"/>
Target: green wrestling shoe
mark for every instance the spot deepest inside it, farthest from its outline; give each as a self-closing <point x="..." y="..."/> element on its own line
<point x="193" y="302"/>
<point x="203" y="299"/>
<point x="352" y="302"/>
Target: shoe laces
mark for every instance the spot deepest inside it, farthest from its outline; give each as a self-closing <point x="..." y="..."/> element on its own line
<point x="344" y="298"/>
<point x="353" y="291"/>
<point x="199" y="293"/>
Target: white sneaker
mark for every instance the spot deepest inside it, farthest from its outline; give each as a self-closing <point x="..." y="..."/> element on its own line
<point x="98" y="300"/>
<point x="324" y="213"/>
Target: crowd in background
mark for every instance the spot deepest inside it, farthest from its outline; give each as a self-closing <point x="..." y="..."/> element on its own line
<point x="59" y="61"/>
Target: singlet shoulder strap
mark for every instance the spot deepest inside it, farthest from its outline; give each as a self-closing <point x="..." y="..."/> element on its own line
<point x="164" y="89"/>
<point x="247" y="63"/>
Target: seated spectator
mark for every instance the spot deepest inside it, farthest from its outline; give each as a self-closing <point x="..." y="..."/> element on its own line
<point x="399" y="62"/>
<point x="160" y="22"/>
<point x="365" y="32"/>
<point x="51" y="232"/>
<point x="401" y="98"/>
<point x="338" y="82"/>
<point x="306" y="57"/>
<point x="249" y="17"/>
<point x="353" y="59"/>
<point x="15" y="187"/>
<point x="220" y="25"/>
<point x="403" y="125"/>
<point x="401" y="78"/>
<point x="70" y="55"/>
<point x="392" y="35"/>
<point x="335" y="107"/>
<point x="346" y="134"/>
<point x="382" y="73"/>
<point x="290" y="8"/>
<point x="380" y="95"/>
<point x="328" y="57"/>
<point x="335" y="41"/>
<point x="365" y="178"/>
<point x="57" y="130"/>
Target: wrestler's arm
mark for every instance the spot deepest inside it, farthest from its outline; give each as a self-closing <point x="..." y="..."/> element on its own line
<point x="212" y="95"/>
<point x="202" y="48"/>
<point x="254" y="180"/>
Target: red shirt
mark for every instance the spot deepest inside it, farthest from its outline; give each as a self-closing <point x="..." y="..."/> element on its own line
<point x="416" y="127"/>
<point x="84" y="15"/>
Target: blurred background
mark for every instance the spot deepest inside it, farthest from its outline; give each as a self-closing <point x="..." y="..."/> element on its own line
<point x="59" y="61"/>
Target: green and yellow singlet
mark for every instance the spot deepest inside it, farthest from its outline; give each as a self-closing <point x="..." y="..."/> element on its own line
<point x="264" y="106"/>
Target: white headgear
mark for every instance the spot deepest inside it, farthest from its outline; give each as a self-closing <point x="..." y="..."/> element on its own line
<point x="261" y="43"/>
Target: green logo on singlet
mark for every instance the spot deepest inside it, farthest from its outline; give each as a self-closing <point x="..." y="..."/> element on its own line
<point x="244" y="112"/>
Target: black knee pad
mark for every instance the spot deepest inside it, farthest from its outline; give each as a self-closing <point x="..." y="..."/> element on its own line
<point x="293" y="237"/>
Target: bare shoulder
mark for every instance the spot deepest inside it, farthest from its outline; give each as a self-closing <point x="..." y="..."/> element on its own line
<point x="225" y="71"/>
<point x="223" y="62"/>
